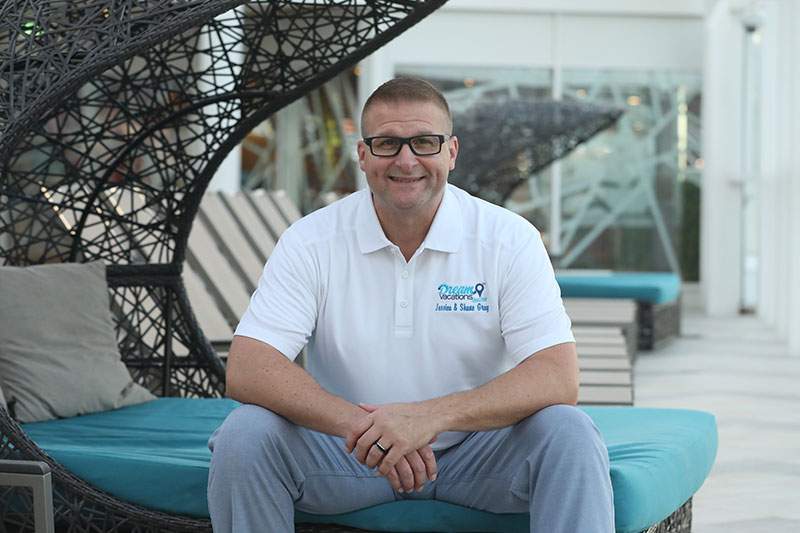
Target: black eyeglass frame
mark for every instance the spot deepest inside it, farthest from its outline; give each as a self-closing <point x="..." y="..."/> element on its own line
<point x="406" y="140"/>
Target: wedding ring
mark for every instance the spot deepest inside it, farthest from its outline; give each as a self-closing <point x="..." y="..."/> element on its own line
<point x="381" y="448"/>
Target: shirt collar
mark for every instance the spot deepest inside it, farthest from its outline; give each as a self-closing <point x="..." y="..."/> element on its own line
<point x="444" y="235"/>
<point x="369" y="231"/>
<point x="447" y="229"/>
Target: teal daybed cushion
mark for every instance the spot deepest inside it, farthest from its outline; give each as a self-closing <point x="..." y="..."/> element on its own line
<point x="652" y="287"/>
<point x="155" y="454"/>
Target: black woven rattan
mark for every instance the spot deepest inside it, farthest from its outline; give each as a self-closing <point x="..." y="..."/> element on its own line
<point x="658" y="323"/>
<point x="114" y="116"/>
<point x="505" y="142"/>
<point x="678" y="522"/>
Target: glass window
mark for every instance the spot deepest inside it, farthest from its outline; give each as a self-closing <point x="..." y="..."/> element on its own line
<point x="630" y="195"/>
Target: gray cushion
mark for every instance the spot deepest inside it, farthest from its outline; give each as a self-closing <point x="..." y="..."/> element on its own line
<point x="2" y="398"/>
<point x="58" y="349"/>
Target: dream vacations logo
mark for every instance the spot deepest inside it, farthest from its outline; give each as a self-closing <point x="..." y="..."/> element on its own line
<point x="461" y="292"/>
<point x="462" y="297"/>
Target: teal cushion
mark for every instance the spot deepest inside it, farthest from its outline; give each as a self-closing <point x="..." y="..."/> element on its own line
<point x="423" y="515"/>
<point x="659" y="458"/>
<point x="155" y="454"/>
<point x="652" y="287"/>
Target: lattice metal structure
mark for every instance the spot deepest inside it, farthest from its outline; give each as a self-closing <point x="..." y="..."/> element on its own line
<point x="627" y="195"/>
<point x="114" y="116"/>
<point x="505" y="140"/>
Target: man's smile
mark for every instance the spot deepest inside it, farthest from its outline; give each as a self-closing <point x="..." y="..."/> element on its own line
<point x="406" y="179"/>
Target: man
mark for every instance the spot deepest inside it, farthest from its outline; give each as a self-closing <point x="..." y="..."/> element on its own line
<point x="441" y="363"/>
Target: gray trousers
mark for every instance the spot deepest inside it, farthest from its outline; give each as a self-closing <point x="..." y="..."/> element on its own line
<point x="552" y="464"/>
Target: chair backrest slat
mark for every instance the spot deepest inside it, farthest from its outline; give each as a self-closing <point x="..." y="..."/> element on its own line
<point x="266" y="209"/>
<point x="257" y="234"/>
<point x="222" y="281"/>
<point x="605" y="395"/>
<point x="286" y="207"/>
<point x="230" y="239"/>
<point x="211" y="319"/>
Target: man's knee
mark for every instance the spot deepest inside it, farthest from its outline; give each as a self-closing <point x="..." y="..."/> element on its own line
<point x="569" y="426"/>
<point x="251" y="465"/>
<point x="250" y="430"/>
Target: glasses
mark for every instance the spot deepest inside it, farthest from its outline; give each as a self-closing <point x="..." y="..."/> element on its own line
<point x="419" y="144"/>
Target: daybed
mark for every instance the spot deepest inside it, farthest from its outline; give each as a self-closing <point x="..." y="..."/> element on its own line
<point x="155" y="455"/>
<point x="657" y="296"/>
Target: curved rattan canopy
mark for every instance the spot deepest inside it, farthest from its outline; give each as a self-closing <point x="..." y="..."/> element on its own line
<point x="114" y="115"/>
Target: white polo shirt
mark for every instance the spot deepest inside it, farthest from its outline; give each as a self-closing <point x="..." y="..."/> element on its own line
<point x="478" y="297"/>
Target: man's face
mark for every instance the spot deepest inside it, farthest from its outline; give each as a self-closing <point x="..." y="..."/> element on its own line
<point x="407" y="184"/>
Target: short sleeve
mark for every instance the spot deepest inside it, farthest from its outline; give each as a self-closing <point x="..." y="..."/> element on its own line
<point x="532" y="315"/>
<point x="283" y="309"/>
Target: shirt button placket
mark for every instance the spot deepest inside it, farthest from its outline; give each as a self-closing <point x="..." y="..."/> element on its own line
<point x="404" y="312"/>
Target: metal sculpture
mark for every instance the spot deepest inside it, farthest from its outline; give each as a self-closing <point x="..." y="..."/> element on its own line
<point x="504" y="142"/>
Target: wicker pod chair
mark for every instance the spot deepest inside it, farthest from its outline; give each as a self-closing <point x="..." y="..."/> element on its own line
<point x="114" y="116"/>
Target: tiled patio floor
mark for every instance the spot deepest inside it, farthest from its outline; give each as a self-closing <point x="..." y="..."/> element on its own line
<point x="737" y="369"/>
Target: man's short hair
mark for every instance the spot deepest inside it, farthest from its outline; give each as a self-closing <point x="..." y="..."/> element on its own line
<point x="407" y="89"/>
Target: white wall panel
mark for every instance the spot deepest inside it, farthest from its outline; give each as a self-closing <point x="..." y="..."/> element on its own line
<point x="652" y="8"/>
<point x="473" y="38"/>
<point x="526" y="39"/>
<point x="631" y="42"/>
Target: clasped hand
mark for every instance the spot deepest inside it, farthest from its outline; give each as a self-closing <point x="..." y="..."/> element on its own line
<point x="406" y="434"/>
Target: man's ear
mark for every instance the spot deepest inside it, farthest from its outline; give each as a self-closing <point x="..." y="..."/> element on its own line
<point x="361" y="148"/>
<point x="453" y="150"/>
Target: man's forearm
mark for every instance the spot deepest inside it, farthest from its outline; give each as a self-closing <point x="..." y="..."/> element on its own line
<point x="548" y="378"/>
<point x="257" y="373"/>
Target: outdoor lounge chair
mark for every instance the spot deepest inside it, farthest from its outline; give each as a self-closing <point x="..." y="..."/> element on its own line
<point x="657" y="297"/>
<point x="659" y="458"/>
<point x="606" y="314"/>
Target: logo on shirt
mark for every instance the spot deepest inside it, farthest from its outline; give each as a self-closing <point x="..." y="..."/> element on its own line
<point x="462" y="298"/>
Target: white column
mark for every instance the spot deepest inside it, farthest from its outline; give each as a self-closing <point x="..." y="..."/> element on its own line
<point x="781" y="177"/>
<point x="780" y="171"/>
<point x="791" y="211"/>
<point x="289" y="158"/>
<point x="720" y="244"/>
<point x="772" y="143"/>
<point x="786" y="137"/>
<point x="750" y="148"/>
<point x="555" y="169"/>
